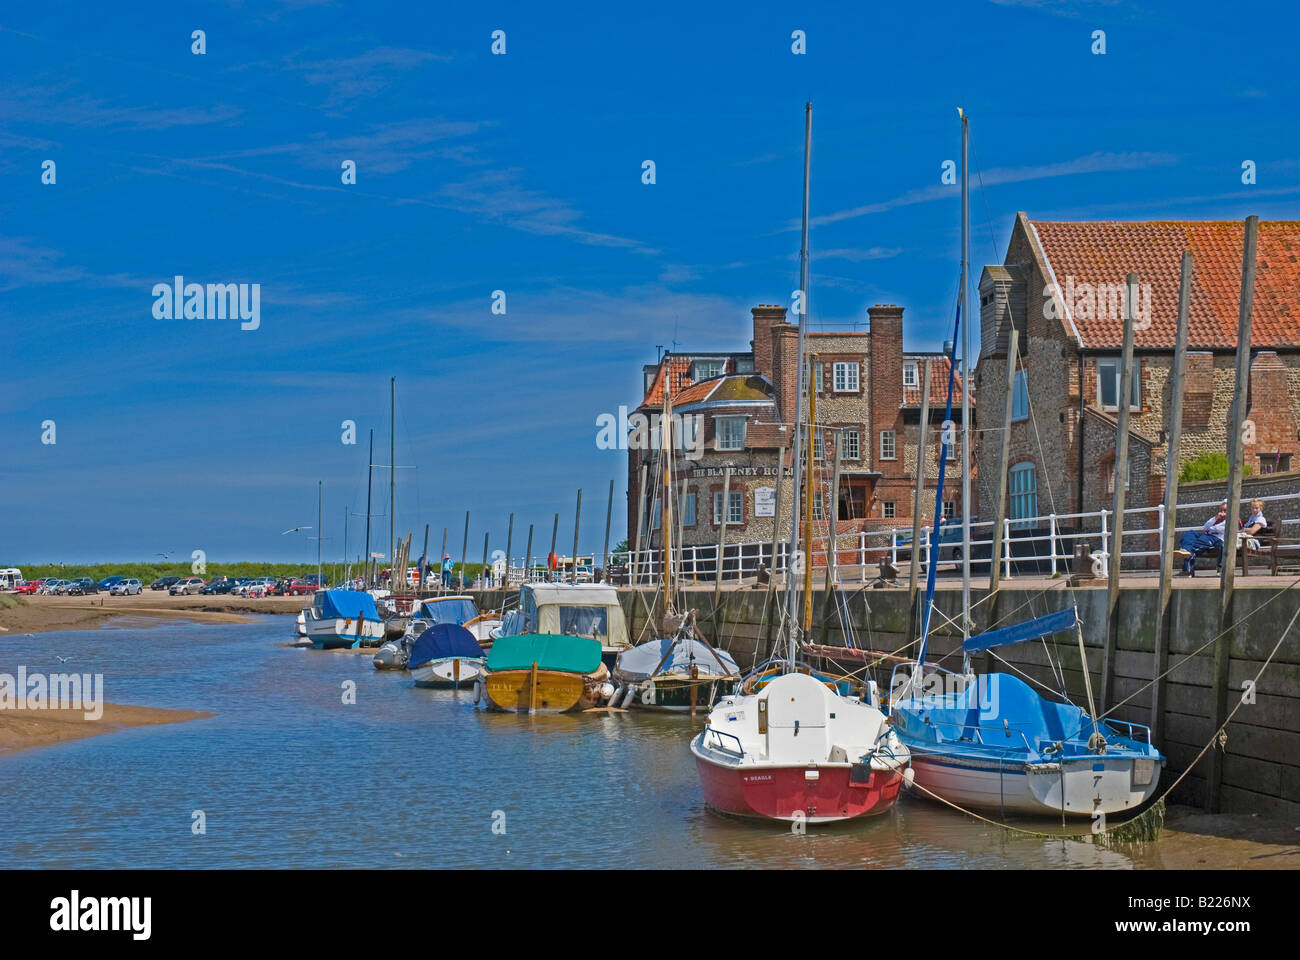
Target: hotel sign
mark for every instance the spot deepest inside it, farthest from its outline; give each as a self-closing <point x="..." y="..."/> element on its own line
<point x="764" y="502"/>
<point x="700" y="472"/>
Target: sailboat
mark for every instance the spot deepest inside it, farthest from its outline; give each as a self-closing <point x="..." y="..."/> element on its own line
<point x="991" y="742"/>
<point x="682" y="670"/>
<point x="798" y="749"/>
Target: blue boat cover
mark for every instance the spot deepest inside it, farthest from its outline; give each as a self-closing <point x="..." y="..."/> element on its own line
<point x="451" y="610"/>
<point x="442" y="641"/>
<point x="1043" y="626"/>
<point x="347" y="604"/>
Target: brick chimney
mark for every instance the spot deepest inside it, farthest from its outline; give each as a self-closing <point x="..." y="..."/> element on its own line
<point x="1270" y="408"/>
<point x="764" y="317"/>
<point x="885" y="363"/>
<point x="784" y="339"/>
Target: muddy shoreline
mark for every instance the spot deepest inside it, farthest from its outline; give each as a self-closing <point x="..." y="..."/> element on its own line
<point x="28" y="729"/>
<point x="23" y="615"/>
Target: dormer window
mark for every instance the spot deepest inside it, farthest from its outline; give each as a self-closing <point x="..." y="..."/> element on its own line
<point x="707" y="369"/>
<point x="910" y="378"/>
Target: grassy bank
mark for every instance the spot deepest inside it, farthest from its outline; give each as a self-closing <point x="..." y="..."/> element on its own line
<point x="148" y="572"/>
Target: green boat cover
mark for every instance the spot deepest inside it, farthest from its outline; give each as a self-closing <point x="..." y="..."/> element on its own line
<point x="550" y="651"/>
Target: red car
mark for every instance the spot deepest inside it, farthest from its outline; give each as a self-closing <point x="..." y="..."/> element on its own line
<point x="298" y="588"/>
<point x="28" y="586"/>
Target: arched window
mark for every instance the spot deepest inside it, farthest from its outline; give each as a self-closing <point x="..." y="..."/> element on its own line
<point x="1024" y="495"/>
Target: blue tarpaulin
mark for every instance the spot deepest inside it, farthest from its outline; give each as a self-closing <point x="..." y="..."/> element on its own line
<point x="346" y="604"/>
<point x="1043" y="626"/>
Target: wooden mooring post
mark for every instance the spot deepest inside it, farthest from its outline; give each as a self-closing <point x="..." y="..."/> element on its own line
<point x="464" y="553"/>
<point x="918" y="494"/>
<point x="577" y="519"/>
<point x="1122" y="402"/>
<point x="609" y="515"/>
<point x="1163" y="626"/>
<point x="1223" y="645"/>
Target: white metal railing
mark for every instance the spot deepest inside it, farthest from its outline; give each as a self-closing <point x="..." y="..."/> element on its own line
<point x="1060" y="531"/>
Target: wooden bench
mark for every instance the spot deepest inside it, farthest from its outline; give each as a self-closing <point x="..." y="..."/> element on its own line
<point x="1283" y="552"/>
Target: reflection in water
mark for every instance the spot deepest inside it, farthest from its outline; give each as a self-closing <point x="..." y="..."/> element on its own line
<point x="288" y="775"/>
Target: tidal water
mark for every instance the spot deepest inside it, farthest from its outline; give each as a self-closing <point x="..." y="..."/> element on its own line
<point x="287" y="775"/>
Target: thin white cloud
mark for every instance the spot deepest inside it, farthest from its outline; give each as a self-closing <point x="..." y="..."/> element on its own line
<point x="1092" y="163"/>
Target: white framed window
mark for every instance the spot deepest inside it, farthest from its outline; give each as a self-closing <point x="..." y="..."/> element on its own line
<point x="819" y="506"/>
<point x="735" y="507"/>
<point x="654" y="515"/>
<point x="688" y="510"/>
<point x="852" y="445"/>
<point x="1020" y="396"/>
<point x="846" y="377"/>
<point x="1108" y="376"/>
<point x="949" y="509"/>
<point x="707" y="369"/>
<point x="889" y="509"/>
<point x="817" y="377"/>
<point x="1024" y="495"/>
<point x="819" y="447"/>
<point x="888" y="445"/>
<point x="910" y="375"/>
<point x="730" y="433"/>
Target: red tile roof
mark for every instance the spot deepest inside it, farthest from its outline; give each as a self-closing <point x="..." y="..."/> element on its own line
<point x="1103" y="252"/>
<point x="938" y="382"/>
<point x="678" y="369"/>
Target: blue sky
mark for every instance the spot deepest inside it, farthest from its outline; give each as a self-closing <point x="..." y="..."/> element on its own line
<point x="522" y="173"/>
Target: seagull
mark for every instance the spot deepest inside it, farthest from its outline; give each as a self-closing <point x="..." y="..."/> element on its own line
<point x="60" y="659"/>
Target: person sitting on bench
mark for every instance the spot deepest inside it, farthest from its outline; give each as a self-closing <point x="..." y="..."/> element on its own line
<point x="1255" y="525"/>
<point x="1208" y="539"/>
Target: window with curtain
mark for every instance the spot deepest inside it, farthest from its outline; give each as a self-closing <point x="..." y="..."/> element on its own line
<point x="1023" y="502"/>
<point x="1108" y="377"/>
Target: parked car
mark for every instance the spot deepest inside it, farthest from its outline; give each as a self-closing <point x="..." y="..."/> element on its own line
<point x="107" y="583"/>
<point x="51" y="586"/>
<point x="255" y="586"/>
<point x="127" y="587"/>
<point x="162" y="583"/>
<point x="28" y="586"/>
<point x="81" y="587"/>
<point x="186" y="586"/>
<point x="298" y="588"/>
<point x="219" y="585"/>
<point x="319" y="581"/>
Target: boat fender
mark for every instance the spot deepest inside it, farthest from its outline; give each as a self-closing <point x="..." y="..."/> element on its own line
<point x="617" y="696"/>
<point x="606" y="691"/>
<point x="908" y="776"/>
<point x="631" y="695"/>
<point x="478" y="689"/>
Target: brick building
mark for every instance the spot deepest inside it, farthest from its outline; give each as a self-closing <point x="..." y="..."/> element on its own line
<point x="1061" y="287"/>
<point x="868" y="393"/>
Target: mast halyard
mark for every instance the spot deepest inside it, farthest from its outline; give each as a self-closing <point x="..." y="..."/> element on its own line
<point x="792" y="640"/>
<point x="810" y="481"/>
<point x="666" y="510"/>
<point x="965" y="390"/>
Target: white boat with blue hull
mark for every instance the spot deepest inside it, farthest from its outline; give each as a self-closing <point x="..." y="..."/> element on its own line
<point x="343" y="620"/>
<point x="992" y="743"/>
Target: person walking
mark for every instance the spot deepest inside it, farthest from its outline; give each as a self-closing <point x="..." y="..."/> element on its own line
<point x="446" y="571"/>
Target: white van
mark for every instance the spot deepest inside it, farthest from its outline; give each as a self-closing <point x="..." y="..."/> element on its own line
<point x="10" y="577"/>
